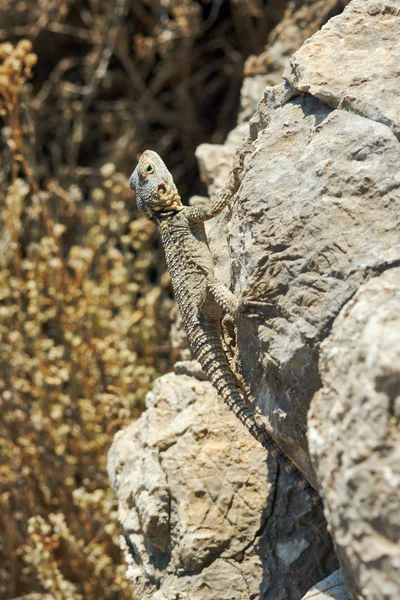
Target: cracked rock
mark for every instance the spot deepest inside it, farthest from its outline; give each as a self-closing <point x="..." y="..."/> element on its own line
<point x="318" y="213"/>
<point x="331" y="588"/>
<point x="355" y="437"/>
<point x="353" y="62"/>
<point x="316" y="221"/>
<point x="197" y="505"/>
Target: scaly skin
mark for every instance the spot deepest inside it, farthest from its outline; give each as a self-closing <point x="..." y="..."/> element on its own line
<point x="202" y="300"/>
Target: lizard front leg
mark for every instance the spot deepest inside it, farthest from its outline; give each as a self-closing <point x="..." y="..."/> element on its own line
<point x="247" y="304"/>
<point x="198" y="214"/>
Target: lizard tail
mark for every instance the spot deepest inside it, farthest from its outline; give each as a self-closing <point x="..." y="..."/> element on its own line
<point x="206" y="346"/>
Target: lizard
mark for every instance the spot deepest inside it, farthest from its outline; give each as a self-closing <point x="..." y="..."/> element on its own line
<point x="201" y="298"/>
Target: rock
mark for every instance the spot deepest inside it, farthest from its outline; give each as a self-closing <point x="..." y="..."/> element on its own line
<point x="302" y="18"/>
<point x="215" y="163"/>
<point x="316" y="215"/>
<point x="192" y="368"/>
<point x="197" y="508"/>
<point x="353" y="62"/>
<point x="250" y="95"/>
<point x="215" y="160"/>
<point x="331" y="588"/>
<point x="316" y="221"/>
<point x="355" y="437"/>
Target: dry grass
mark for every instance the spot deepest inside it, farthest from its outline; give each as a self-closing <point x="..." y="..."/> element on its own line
<point x="84" y="300"/>
<point x="80" y="287"/>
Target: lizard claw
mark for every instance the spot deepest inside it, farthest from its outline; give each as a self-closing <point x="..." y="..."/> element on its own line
<point x="253" y="303"/>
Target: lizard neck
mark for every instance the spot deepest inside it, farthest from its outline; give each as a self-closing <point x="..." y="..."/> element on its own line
<point x="162" y="217"/>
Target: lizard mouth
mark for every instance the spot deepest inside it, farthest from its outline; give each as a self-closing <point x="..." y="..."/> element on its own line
<point x="133" y="181"/>
<point x="144" y="208"/>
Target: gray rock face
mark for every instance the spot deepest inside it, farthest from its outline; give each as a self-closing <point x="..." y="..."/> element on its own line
<point x="331" y="588"/>
<point x="317" y="220"/>
<point x="215" y="163"/>
<point x="301" y="19"/>
<point x="353" y="62"/>
<point x="196" y="502"/>
<point x="355" y="437"/>
<point x="317" y="214"/>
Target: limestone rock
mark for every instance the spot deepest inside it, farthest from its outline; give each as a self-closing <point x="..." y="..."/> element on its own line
<point x="251" y="92"/>
<point x="215" y="160"/>
<point x="317" y="216"/>
<point x="331" y="588"/>
<point x="301" y="19"/>
<point x="355" y="436"/>
<point x="353" y="62"/>
<point x="318" y="213"/>
<point x="215" y="163"/>
<point x="317" y="222"/>
<point x="198" y="505"/>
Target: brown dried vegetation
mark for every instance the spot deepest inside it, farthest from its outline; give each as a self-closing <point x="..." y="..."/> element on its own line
<point x="84" y="301"/>
<point x="78" y="351"/>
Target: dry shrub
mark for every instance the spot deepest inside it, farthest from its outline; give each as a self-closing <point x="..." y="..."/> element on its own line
<point x="115" y="78"/>
<point x="81" y="285"/>
<point x="84" y="300"/>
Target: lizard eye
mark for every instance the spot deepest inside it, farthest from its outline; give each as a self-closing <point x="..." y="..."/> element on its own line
<point x="149" y="169"/>
<point x="161" y="188"/>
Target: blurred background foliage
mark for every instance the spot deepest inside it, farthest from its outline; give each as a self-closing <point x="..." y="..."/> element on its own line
<point x="85" y="304"/>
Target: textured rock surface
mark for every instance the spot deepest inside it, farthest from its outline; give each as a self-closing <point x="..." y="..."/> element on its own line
<point x="317" y="218"/>
<point x="317" y="214"/>
<point x="331" y="588"/>
<point x="363" y="73"/>
<point x="197" y="501"/>
<point x="355" y="436"/>
<point x="301" y="19"/>
<point x="215" y="163"/>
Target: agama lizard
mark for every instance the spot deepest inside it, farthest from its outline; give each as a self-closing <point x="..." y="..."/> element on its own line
<point x="202" y="300"/>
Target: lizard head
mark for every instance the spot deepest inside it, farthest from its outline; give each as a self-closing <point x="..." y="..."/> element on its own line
<point x="155" y="189"/>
